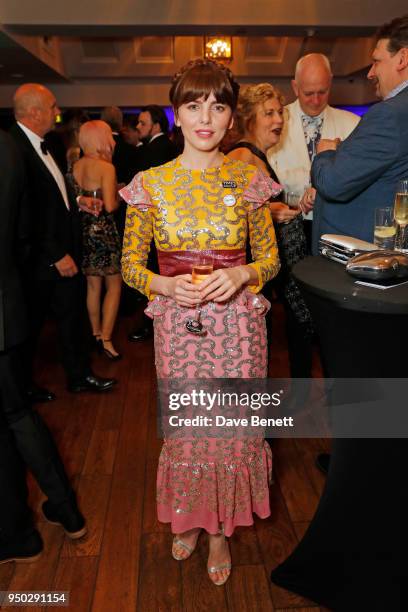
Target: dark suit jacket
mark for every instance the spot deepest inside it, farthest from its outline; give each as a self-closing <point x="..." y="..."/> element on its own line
<point x="363" y="173"/>
<point x="55" y="230"/>
<point x="13" y="239"/>
<point x="127" y="159"/>
<point x="158" y="152"/>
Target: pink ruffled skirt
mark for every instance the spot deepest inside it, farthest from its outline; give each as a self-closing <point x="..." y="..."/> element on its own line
<point x="205" y="482"/>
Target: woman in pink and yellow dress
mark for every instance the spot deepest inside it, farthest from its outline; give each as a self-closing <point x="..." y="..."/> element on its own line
<point x="204" y="201"/>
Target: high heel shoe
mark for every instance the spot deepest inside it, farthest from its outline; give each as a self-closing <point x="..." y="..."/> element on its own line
<point x="178" y="543"/>
<point x="213" y="569"/>
<point x="218" y="568"/>
<point x="97" y="343"/>
<point x="109" y="353"/>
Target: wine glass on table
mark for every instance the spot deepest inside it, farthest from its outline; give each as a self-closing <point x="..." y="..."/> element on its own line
<point x="384" y="228"/>
<point x="202" y="267"/>
<point x="401" y="216"/>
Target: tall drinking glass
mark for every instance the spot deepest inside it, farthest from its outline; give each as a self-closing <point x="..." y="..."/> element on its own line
<point x="384" y="228"/>
<point x="292" y="199"/>
<point x="202" y="267"/>
<point x="401" y="216"/>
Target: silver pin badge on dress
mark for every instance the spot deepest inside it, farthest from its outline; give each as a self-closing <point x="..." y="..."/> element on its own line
<point x="229" y="200"/>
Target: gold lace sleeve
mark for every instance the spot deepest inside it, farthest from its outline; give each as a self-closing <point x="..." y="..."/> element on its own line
<point x="136" y="247"/>
<point x="263" y="246"/>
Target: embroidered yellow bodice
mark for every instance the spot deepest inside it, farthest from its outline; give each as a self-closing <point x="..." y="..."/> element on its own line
<point x="214" y="209"/>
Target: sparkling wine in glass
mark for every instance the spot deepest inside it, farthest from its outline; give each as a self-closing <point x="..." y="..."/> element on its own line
<point x="292" y="199"/>
<point x="203" y="266"/>
<point x="200" y="271"/>
<point x="384" y="228"/>
<point x="401" y="216"/>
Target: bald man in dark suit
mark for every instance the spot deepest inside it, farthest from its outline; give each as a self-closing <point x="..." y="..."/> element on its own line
<point x="23" y="435"/>
<point x="18" y="538"/>
<point x="53" y="276"/>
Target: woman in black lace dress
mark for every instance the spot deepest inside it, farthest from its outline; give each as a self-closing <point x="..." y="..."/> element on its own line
<point x="94" y="175"/>
<point x="259" y="125"/>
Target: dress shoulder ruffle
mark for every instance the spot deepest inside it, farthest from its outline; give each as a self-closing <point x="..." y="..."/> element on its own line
<point x="135" y="194"/>
<point x="261" y="189"/>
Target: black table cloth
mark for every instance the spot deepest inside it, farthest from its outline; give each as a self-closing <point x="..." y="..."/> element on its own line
<point x="354" y="554"/>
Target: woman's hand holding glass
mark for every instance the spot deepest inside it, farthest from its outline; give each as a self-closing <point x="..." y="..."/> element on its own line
<point x="219" y="286"/>
<point x="181" y="289"/>
<point x="307" y="200"/>
<point x="282" y="213"/>
<point x="222" y="284"/>
<point x="91" y="205"/>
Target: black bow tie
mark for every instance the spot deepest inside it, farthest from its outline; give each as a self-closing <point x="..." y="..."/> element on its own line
<point x="44" y="148"/>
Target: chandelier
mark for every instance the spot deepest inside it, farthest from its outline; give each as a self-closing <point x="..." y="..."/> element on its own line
<point x="218" y="48"/>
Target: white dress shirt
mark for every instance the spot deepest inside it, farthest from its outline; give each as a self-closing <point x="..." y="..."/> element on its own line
<point x="48" y="160"/>
<point x="155" y="136"/>
<point x="396" y="90"/>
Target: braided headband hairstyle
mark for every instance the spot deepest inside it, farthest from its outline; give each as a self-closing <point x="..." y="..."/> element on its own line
<point x="201" y="77"/>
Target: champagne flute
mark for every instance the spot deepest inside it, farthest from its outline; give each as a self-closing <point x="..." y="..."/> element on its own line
<point x="401" y="216"/>
<point x="203" y="266"/>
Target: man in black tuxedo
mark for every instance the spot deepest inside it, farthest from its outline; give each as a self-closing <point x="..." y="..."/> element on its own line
<point x="153" y="127"/>
<point x="159" y="149"/>
<point x="22" y="432"/>
<point x="52" y="276"/>
<point x="18" y="538"/>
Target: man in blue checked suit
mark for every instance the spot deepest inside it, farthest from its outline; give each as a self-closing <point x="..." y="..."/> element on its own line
<point x="354" y="177"/>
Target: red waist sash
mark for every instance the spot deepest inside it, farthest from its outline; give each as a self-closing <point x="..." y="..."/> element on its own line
<point x="172" y="263"/>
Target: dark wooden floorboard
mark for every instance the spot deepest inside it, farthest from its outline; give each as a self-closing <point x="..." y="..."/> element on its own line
<point x="299" y="494"/>
<point x="77" y="575"/>
<point x="248" y="589"/>
<point x="302" y="609"/>
<point x="93" y="497"/>
<point x="110" y="446"/>
<point x="301" y="528"/>
<point x="39" y="576"/>
<point x="160" y="575"/>
<point x="199" y="595"/>
<point x="277" y="539"/>
<point x="117" y="580"/>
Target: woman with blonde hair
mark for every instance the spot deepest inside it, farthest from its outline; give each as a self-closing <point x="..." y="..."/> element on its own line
<point x="204" y="204"/>
<point x="259" y="123"/>
<point x="94" y="175"/>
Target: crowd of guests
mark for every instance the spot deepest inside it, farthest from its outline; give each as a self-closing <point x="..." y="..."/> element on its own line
<point x="104" y="198"/>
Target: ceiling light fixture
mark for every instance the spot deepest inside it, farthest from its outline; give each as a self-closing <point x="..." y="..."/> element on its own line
<point x="218" y="47"/>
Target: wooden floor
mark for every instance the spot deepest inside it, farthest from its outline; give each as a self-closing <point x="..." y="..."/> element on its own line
<point x="110" y="448"/>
